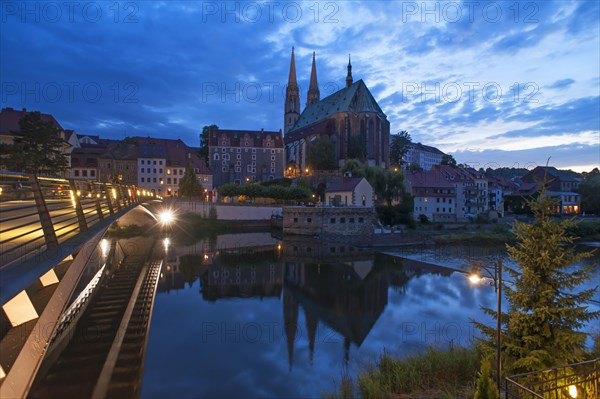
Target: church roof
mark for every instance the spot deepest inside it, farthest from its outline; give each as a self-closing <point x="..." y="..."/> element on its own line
<point x="356" y="98"/>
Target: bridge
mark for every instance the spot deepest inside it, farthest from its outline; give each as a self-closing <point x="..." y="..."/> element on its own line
<point x="74" y="303"/>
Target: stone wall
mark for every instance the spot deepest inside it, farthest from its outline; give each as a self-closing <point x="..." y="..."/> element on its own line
<point x="328" y="221"/>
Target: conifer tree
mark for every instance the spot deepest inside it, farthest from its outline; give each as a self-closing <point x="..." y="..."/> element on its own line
<point x="546" y="306"/>
<point x="486" y="389"/>
<point x="189" y="186"/>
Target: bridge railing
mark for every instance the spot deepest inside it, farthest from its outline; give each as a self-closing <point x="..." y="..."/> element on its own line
<point x="38" y="213"/>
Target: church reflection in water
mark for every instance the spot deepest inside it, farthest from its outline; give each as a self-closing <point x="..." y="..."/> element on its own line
<point x="339" y="288"/>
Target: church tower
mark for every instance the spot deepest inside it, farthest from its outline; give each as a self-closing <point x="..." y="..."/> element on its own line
<point x="349" y="76"/>
<point x="313" y="90"/>
<point x="292" y="99"/>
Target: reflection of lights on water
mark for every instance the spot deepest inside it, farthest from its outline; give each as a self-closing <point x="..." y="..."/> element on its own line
<point x="114" y="193"/>
<point x="166" y="243"/>
<point x="573" y="391"/>
<point x="279" y="247"/>
<point x="162" y="275"/>
<point x="104" y="247"/>
<point x="205" y="257"/>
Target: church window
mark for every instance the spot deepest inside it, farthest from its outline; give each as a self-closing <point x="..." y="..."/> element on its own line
<point x="216" y="157"/>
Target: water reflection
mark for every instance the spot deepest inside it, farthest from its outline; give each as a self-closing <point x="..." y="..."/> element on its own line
<point x="248" y="315"/>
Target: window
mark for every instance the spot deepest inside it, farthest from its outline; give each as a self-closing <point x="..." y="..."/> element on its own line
<point x="93" y="173"/>
<point x="154" y="180"/>
<point x="308" y="220"/>
<point x="223" y="149"/>
<point x="361" y="220"/>
<point x="272" y="170"/>
<point x="351" y="220"/>
<point x="77" y="173"/>
<point x="332" y="220"/>
<point x="142" y="161"/>
<point x="168" y="180"/>
<point x="239" y="156"/>
<point x="160" y="171"/>
<point x="238" y="169"/>
<point x="254" y="150"/>
<point x="154" y="163"/>
<point x="142" y="180"/>
<point x="342" y="220"/>
<point x="84" y="173"/>
<point x="295" y="220"/>
<point x="160" y="162"/>
<point x="332" y="249"/>
<point x="272" y="151"/>
<point x="143" y="170"/>
<point x="254" y="157"/>
<point x="272" y="157"/>
<point x="154" y="170"/>
<point x="216" y="157"/>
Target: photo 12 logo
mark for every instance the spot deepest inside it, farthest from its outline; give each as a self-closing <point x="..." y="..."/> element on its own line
<point x="69" y="11"/>
<point x="269" y="11"/>
<point x="69" y="92"/>
<point x="470" y="11"/>
<point x="492" y="92"/>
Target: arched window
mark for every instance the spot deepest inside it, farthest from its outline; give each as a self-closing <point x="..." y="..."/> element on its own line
<point x="216" y="157"/>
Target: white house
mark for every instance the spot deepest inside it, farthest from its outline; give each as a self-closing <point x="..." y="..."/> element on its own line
<point x="350" y="191"/>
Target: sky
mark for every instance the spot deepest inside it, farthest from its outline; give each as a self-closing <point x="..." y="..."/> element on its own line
<point x="493" y="83"/>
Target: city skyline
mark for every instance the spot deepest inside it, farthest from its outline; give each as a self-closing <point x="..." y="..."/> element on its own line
<point x="494" y="84"/>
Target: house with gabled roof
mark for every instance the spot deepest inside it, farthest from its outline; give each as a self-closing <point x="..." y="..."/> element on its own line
<point x="349" y="191"/>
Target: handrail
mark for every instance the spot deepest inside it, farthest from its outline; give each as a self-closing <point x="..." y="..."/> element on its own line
<point x="519" y="386"/>
<point x="52" y="209"/>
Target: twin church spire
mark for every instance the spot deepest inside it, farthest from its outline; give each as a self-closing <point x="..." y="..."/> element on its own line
<point x="292" y="92"/>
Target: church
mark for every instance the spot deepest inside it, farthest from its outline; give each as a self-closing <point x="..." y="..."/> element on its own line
<point x="350" y="118"/>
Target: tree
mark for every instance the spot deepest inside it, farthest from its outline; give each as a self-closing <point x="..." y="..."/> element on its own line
<point x="357" y="147"/>
<point x="189" y="186"/>
<point x="590" y="192"/>
<point x="546" y="308"/>
<point x="355" y="167"/>
<point x="321" y="154"/>
<point x="448" y="159"/>
<point x="399" y="147"/>
<point x="203" y="152"/>
<point x="37" y="148"/>
<point x="486" y="389"/>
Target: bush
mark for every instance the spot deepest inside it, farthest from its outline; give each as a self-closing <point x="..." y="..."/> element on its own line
<point x="394" y="215"/>
<point x="423" y="219"/>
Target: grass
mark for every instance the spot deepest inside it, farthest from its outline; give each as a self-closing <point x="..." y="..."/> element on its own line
<point x="434" y="374"/>
<point x="498" y="235"/>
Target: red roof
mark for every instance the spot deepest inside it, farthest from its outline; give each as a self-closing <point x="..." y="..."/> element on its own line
<point x="9" y="120"/>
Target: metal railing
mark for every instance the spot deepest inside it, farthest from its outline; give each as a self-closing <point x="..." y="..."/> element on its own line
<point x="39" y="213"/>
<point x="579" y="380"/>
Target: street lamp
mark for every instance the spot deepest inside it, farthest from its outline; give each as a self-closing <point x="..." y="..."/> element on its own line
<point x="496" y="276"/>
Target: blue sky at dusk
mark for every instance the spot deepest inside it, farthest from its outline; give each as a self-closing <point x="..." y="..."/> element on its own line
<point x="492" y="83"/>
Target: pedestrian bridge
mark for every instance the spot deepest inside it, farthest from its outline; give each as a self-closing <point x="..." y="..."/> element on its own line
<point x="53" y="256"/>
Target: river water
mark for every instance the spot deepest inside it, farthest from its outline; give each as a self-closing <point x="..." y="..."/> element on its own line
<point x="250" y="316"/>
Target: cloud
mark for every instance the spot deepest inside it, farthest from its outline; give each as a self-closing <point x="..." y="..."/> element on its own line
<point x="561" y="84"/>
<point x="174" y="67"/>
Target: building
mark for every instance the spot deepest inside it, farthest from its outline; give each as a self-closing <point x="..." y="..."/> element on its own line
<point x="434" y="195"/>
<point x="118" y="164"/>
<point x="349" y="191"/>
<point x="556" y="180"/>
<point x="10" y="128"/>
<point x="84" y="159"/>
<point x="243" y="156"/>
<point x="567" y="203"/>
<point x="162" y="163"/>
<point x="350" y="118"/>
<point x="422" y="156"/>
